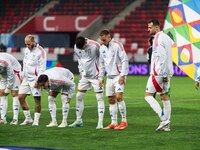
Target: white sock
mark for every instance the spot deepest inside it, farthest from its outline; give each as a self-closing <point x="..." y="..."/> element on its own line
<point x="101" y="106"/>
<point x="79" y="105"/>
<point x="4" y="106"/>
<point x="36" y="117"/>
<point x="52" y="107"/>
<point x="154" y="105"/>
<point x="15" y="107"/>
<point x="122" y="109"/>
<point x="65" y="107"/>
<point x="167" y="109"/>
<point x="27" y="114"/>
<point x="113" y="113"/>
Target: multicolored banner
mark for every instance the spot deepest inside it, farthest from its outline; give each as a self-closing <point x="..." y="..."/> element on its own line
<point x="182" y="24"/>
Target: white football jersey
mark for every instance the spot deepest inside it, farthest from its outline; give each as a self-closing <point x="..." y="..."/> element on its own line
<point x="34" y="62"/>
<point x="8" y="66"/>
<point x="61" y="77"/>
<point x="88" y="59"/>
<point x="113" y="60"/>
<point x="161" y="59"/>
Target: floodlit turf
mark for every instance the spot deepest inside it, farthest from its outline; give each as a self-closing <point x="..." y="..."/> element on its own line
<point x="142" y="122"/>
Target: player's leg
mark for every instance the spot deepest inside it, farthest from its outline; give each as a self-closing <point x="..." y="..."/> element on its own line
<point x="101" y="109"/>
<point x="26" y="111"/>
<point x="16" y="103"/>
<point x="52" y="108"/>
<point x="152" y="87"/>
<point x="83" y="86"/>
<point x="122" y="110"/>
<point x="166" y="105"/>
<point x="79" y="109"/>
<point x="37" y="97"/>
<point x="15" y="107"/>
<point x="65" y="110"/>
<point x="119" y="90"/>
<point x="100" y="102"/>
<point x="110" y="92"/>
<point x="3" y="101"/>
<point x="24" y="90"/>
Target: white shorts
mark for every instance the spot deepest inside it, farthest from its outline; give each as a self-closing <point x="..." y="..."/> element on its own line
<point x="85" y="84"/>
<point x="27" y="87"/>
<point x="156" y="84"/>
<point x="113" y="86"/>
<point x="16" y="84"/>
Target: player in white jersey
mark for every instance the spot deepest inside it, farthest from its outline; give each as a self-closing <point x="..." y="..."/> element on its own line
<point x="34" y="63"/>
<point x="114" y="61"/>
<point x="10" y="70"/>
<point x="57" y="80"/>
<point x="197" y="78"/>
<point x="160" y="74"/>
<point x="87" y="52"/>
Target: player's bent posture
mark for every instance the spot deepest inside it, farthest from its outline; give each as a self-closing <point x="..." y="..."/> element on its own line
<point x="87" y="52"/>
<point x="57" y="80"/>
<point x="10" y="70"/>
<point x="160" y="74"/>
<point x="34" y="63"/>
<point x="114" y="60"/>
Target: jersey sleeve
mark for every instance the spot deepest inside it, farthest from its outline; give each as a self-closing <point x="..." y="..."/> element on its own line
<point x="10" y="77"/>
<point x="101" y="67"/>
<point x="124" y="59"/>
<point x="42" y="62"/>
<point x="162" y="57"/>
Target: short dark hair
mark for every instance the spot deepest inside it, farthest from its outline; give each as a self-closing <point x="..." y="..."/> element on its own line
<point x="80" y="42"/>
<point x="42" y="78"/>
<point x="104" y="32"/>
<point x="155" y="22"/>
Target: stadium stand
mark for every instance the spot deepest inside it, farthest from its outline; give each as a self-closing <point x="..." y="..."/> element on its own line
<point x="133" y="30"/>
<point x="14" y="12"/>
<point x="107" y="9"/>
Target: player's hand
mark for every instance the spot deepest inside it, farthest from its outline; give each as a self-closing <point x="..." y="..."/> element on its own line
<point x="6" y="92"/>
<point x="121" y="80"/>
<point x="36" y="84"/>
<point x="80" y="75"/>
<point x="21" y="79"/>
<point x="101" y="83"/>
<point x="165" y="79"/>
<point x="196" y="85"/>
<point x="68" y="100"/>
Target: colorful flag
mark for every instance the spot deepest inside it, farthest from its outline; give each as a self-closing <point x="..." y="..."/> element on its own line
<point x="182" y="24"/>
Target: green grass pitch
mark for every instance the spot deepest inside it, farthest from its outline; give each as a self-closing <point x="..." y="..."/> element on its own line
<point x="142" y="122"/>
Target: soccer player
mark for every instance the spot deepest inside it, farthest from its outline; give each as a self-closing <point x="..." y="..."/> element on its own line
<point x="57" y="80"/>
<point x="34" y="63"/>
<point x="114" y="60"/>
<point x="10" y="70"/>
<point x="87" y="52"/>
<point x="160" y="73"/>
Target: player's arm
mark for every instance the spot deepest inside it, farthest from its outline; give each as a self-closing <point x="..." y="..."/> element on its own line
<point x="42" y="62"/>
<point x="162" y="58"/>
<point x="101" y="70"/>
<point x="124" y="60"/>
<point x="69" y="83"/>
<point x="10" y="79"/>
